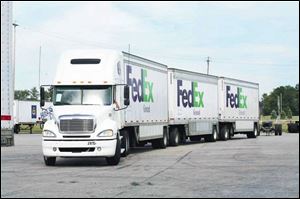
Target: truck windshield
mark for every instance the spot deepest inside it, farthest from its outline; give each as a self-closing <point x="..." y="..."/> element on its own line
<point x="82" y="95"/>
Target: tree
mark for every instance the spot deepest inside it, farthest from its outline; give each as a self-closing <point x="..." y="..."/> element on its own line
<point x="290" y="98"/>
<point x="48" y="94"/>
<point x="34" y="94"/>
<point x="273" y="115"/>
<point x="22" y="94"/>
<point x="282" y="115"/>
<point x="289" y="113"/>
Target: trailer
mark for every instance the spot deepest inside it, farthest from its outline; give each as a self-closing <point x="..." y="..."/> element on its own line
<point x="193" y="106"/>
<point x="28" y="113"/>
<point x="105" y="102"/>
<point x="146" y="119"/>
<point x="238" y="108"/>
<point x="7" y="75"/>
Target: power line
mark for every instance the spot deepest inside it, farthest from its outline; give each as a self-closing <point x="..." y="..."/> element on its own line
<point x="176" y="57"/>
<point x="68" y="38"/>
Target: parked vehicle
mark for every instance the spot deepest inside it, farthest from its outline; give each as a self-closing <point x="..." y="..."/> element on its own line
<point x="28" y="113"/>
<point x="278" y="129"/>
<point x="7" y="75"/>
<point x="105" y="102"/>
<point x="269" y="128"/>
<point x="293" y="127"/>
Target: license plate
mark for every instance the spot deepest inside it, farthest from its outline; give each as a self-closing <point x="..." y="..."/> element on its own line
<point x="91" y="143"/>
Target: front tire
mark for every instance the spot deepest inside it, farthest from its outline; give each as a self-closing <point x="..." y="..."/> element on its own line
<point x="125" y="144"/>
<point x="116" y="158"/>
<point x="49" y="161"/>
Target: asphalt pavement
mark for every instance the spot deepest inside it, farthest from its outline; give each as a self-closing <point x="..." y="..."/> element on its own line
<point x="267" y="166"/>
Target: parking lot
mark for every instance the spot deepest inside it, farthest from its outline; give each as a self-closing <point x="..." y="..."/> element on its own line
<point x="264" y="167"/>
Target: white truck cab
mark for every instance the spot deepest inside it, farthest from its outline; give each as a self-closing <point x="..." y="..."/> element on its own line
<point x="87" y="97"/>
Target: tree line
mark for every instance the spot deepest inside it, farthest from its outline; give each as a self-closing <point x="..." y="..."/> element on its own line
<point x="269" y="103"/>
<point x="33" y="94"/>
<point x="290" y="102"/>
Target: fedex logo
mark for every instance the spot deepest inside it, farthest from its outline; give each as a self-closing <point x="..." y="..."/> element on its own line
<point x="141" y="89"/>
<point x="237" y="100"/>
<point x="191" y="98"/>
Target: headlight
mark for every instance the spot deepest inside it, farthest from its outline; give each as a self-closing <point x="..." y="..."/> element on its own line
<point x="47" y="133"/>
<point x="106" y="133"/>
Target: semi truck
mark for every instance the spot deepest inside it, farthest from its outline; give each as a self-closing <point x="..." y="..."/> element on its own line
<point x="7" y="75"/>
<point x="106" y="102"/>
<point x="28" y="113"/>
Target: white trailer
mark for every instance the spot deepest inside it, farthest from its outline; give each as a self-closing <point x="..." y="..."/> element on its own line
<point x="193" y="106"/>
<point x="104" y="102"/>
<point x="212" y="107"/>
<point x="146" y="119"/>
<point x="238" y="108"/>
<point x="7" y="75"/>
<point x="28" y="113"/>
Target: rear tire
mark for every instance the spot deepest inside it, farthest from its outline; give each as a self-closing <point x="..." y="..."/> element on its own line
<point x="17" y="128"/>
<point x="174" y="137"/>
<point x="278" y="129"/>
<point x="213" y="137"/>
<point x="231" y="132"/>
<point x="49" y="161"/>
<point x="160" y="143"/>
<point x="116" y="158"/>
<point x="224" y="133"/>
<point x="254" y="133"/>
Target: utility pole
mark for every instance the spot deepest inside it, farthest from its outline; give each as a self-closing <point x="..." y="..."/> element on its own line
<point x="280" y="103"/>
<point x="40" y="54"/>
<point x="208" y="60"/>
<point x="278" y="106"/>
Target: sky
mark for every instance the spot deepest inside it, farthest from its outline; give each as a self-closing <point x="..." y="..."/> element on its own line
<point x="253" y="41"/>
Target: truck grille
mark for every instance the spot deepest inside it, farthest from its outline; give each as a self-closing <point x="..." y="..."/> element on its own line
<point x="77" y="125"/>
<point x="77" y="150"/>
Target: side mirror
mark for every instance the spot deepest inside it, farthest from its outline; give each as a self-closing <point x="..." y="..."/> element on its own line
<point x="126" y="96"/>
<point x="42" y="96"/>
